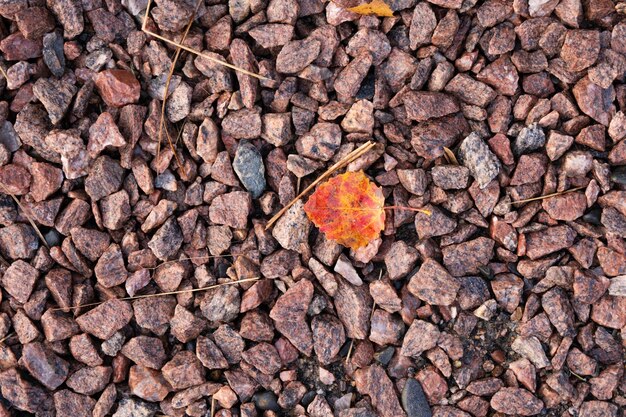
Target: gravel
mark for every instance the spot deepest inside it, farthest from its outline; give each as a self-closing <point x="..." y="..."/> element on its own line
<point x="504" y="121"/>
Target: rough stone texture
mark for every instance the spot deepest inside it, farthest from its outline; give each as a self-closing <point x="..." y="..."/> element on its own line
<point x="434" y="224"/>
<point x="529" y="139"/>
<point x="379" y="387"/>
<point x="19" y="280"/>
<point x="184" y="370"/>
<point x="580" y="49"/>
<point x="552" y="239"/>
<point x="248" y="166"/>
<point x="145" y="351"/>
<point x="44" y="365"/>
<point x="595" y="101"/>
<point x="296" y="55"/>
<point x="353" y="309"/>
<point x="289" y="316"/>
<point x="400" y="260"/>
<point x="433" y="284"/>
<point x="496" y="286"/>
<point x="516" y="400"/>
<point x="68" y="403"/>
<point x="466" y="258"/>
<point x="424" y="105"/>
<point x="117" y="87"/>
<point x="90" y="380"/>
<point x="291" y="231"/>
<point x="559" y="310"/>
<point x="231" y="209"/>
<point x="106" y="319"/>
<point x="147" y="384"/>
<point x="167" y="240"/>
<point x="420" y="337"/>
<point x="478" y="158"/>
<point x="423" y="24"/>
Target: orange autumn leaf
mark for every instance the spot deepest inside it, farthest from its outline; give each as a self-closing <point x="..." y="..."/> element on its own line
<point x="377" y="7"/>
<point x="349" y="209"/>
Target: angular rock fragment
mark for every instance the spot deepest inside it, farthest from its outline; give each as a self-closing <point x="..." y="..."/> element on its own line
<point x="420" y="337"/>
<point x="328" y="337"/>
<point x="552" y="239"/>
<point x="424" y="105"/>
<point x="117" y="87"/>
<point x="466" y="258"/>
<point x="289" y="315"/>
<point x="167" y="240"/>
<point x="423" y="24"/>
<point x="478" y="158"/>
<point x="374" y="382"/>
<point x="296" y="55"/>
<point x="44" y="365"/>
<point x="433" y="284"/>
<point x="106" y="319"/>
<point x="55" y="96"/>
<point x="516" y="400"/>
<point x="292" y="229"/>
<point x="248" y="166"/>
<point x="19" y="280"/>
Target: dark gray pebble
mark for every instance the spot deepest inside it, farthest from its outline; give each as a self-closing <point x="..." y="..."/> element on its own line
<point x="593" y="217"/>
<point x="308" y="398"/>
<point x="266" y="401"/>
<point x="248" y="165"/>
<point x="53" y="54"/>
<point x="414" y="401"/>
<point x="619" y="175"/>
<point x="385" y="355"/>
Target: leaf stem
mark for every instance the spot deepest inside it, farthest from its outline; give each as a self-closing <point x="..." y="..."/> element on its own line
<point x="27" y="214"/>
<point x="355" y="154"/>
<point x="543" y="197"/>
<point x="166" y="93"/>
<point x="161" y="294"/>
<point x="144" y="28"/>
<point x="420" y="210"/>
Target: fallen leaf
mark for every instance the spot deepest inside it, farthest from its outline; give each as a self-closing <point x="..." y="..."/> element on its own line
<point x="349" y="209"/>
<point x="450" y="156"/>
<point x="377" y="7"/>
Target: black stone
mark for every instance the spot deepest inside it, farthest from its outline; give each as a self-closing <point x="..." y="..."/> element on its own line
<point x="414" y="401"/>
<point x="266" y="401"/>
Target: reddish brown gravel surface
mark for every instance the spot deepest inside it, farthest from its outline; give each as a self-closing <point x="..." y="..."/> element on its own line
<point x="496" y="303"/>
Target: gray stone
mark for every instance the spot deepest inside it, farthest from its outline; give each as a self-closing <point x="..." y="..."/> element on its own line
<point x="529" y="139"/>
<point x="8" y="137"/>
<point x="98" y="59"/>
<point x="248" y="165"/>
<point x="178" y="104"/>
<point x="239" y="9"/>
<point x="414" y="401"/>
<point x="53" y="55"/>
<point x="132" y="407"/>
<point x="482" y="163"/>
<point x="135" y="6"/>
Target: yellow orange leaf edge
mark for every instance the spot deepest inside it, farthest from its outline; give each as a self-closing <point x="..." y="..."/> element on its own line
<point x="348" y="209"/>
<point x="375" y="7"/>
